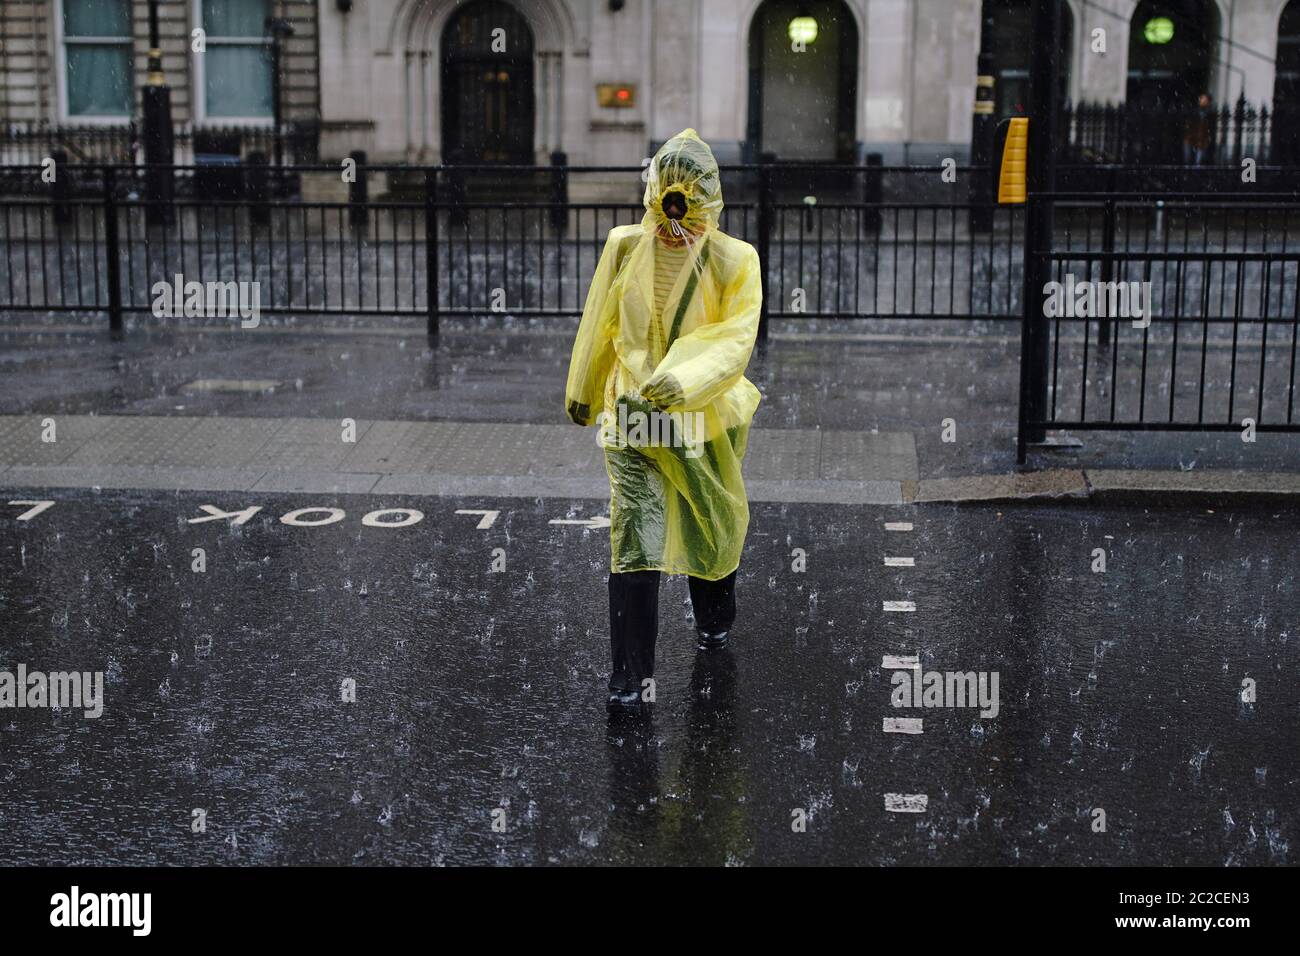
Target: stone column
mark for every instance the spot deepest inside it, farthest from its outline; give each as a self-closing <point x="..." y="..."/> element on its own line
<point x="674" y="48"/>
<point x="1253" y="29"/>
<point x="886" y="91"/>
<point x="1101" y="77"/>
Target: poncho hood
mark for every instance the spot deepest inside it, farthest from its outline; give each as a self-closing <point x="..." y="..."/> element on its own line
<point x="684" y="164"/>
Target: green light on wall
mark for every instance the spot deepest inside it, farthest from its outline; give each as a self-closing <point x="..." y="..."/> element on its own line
<point x="1158" y="31"/>
<point x="803" y="30"/>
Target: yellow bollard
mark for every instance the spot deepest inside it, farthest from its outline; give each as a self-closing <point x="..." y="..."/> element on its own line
<point x="1012" y="186"/>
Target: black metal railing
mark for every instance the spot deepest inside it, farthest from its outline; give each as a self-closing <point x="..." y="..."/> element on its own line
<point x="856" y="253"/>
<point x="1128" y="133"/>
<point x="300" y="139"/>
<point x="1200" y="315"/>
<point x="1215" y="301"/>
<point x="29" y="144"/>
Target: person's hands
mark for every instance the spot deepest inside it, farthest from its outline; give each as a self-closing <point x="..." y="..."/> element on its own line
<point x="662" y="391"/>
<point x="579" y="413"/>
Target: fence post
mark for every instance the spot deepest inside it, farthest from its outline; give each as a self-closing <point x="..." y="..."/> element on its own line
<point x="1240" y="130"/>
<point x="62" y="190"/>
<point x="1028" y="407"/>
<point x="983" y="133"/>
<point x="559" y="191"/>
<point x="1108" y="226"/>
<point x="114" y="264"/>
<point x="258" y="189"/>
<point x="431" y="250"/>
<point x="873" y="191"/>
<point x="1044" y="72"/>
<point x="358" y="191"/>
<point x="764" y="238"/>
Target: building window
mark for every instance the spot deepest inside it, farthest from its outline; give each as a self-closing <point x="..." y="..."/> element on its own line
<point x="97" y="57"/>
<point x="237" y="65"/>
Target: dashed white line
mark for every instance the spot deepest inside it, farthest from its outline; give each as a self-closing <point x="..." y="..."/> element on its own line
<point x="902" y="802"/>
<point x="903" y="725"/>
<point x="906" y="802"/>
<point x="905" y="663"/>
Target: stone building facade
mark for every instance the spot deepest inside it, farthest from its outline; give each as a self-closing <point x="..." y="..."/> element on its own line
<point x="602" y="81"/>
<point x="894" y="76"/>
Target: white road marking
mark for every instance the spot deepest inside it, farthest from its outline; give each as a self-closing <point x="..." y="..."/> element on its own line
<point x="31" y="513"/>
<point x="902" y="725"/>
<point x="409" y="516"/>
<point x="906" y="802"/>
<point x="907" y="663"/>
<point x="296" y="519"/>
<point x="216" y="514"/>
<point x="485" y="522"/>
<point x="600" y="521"/>
<point x="902" y="802"/>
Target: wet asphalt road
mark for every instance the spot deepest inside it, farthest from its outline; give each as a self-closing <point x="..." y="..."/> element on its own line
<point x="480" y="691"/>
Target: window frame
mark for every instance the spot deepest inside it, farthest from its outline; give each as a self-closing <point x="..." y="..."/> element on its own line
<point x="199" y="73"/>
<point x="61" y="43"/>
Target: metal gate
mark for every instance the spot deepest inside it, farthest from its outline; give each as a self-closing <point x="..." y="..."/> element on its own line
<point x="1173" y="313"/>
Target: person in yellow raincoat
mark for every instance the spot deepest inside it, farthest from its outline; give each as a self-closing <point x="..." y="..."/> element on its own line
<point x="658" y="365"/>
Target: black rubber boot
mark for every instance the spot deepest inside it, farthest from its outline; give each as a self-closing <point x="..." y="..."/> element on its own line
<point x="625" y="703"/>
<point x="711" y="641"/>
<point x="714" y="606"/>
<point x="633" y="625"/>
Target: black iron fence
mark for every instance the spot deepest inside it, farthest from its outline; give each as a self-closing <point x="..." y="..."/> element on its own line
<point x="1176" y="311"/>
<point x="1170" y="313"/>
<point x="857" y="250"/>
<point x="28" y="144"/>
<point x="1134" y="134"/>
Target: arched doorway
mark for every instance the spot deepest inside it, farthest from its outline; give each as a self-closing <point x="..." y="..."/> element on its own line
<point x="1171" y="53"/>
<point x="1171" y="56"/>
<point x="1007" y="35"/>
<point x="1286" y="88"/>
<point x="802" y="103"/>
<point x="488" y="105"/>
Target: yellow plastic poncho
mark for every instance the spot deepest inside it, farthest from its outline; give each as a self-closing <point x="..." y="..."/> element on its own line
<point x="667" y="386"/>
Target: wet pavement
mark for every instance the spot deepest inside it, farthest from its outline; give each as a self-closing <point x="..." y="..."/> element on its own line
<point x="479" y="693"/>
<point x="897" y="377"/>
